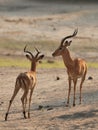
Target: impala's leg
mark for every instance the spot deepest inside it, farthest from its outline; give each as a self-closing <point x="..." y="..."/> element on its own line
<point x="31" y="92"/>
<point x="75" y="82"/>
<point x="83" y="78"/>
<point x="69" y="79"/>
<point x="25" y="102"/>
<point x="23" y="99"/>
<point x="12" y="98"/>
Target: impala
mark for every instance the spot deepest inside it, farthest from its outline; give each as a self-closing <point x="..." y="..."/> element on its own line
<point x="26" y="81"/>
<point x="76" y="68"/>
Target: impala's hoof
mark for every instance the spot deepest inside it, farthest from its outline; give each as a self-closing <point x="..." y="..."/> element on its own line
<point x="28" y="115"/>
<point x="25" y="117"/>
<point x="6" y="116"/>
<point x="74" y="105"/>
<point x="67" y="105"/>
<point x="24" y="113"/>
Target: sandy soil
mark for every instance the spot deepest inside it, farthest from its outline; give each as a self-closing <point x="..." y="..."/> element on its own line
<point x="52" y="95"/>
<point x="34" y="21"/>
<point x="31" y="20"/>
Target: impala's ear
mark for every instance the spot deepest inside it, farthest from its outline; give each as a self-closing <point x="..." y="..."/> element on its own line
<point x="68" y="43"/>
<point x="28" y="57"/>
<point x="40" y="57"/>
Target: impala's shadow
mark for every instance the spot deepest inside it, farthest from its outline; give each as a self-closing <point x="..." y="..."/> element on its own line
<point x="79" y="115"/>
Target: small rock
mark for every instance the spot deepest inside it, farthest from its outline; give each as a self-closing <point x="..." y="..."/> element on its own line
<point x="1" y="103"/>
<point x="49" y="109"/>
<point x="90" y="78"/>
<point x="40" y="62"/>
<point x="50" y="61"/>
<point x="57" y="78"/>
<point x="54" y="28"/>
<point x="40" y="107"/>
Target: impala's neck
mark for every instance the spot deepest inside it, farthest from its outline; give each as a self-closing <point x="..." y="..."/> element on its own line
<point x="33" y="66"/>
<point x="68" y="61"/>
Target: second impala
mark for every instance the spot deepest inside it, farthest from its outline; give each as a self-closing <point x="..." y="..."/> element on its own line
<point x="76" y="68"/>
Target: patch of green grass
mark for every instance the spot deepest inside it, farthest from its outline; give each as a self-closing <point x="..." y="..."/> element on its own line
<point x="24" y="63"/>
<point x="55" y="64"/>
<point x="60" y="64"/>
<point x="92" y="64"/>
<point x="11" y="62"/>
<point x="8" y="61"/>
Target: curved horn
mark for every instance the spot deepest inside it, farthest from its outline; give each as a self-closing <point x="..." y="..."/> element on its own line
<point x="28" y="51"/>
<point x="74" y="34"/>
<point x="38" y="52"/>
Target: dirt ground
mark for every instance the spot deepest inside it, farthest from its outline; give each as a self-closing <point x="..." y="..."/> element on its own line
<point x="51" y="21"/>
<point x="51" y="95"/>
<point x="30" y="20"/>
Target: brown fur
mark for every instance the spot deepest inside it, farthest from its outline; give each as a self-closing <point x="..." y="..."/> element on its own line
<point x="26" y="81"/>
<point x="76" y="68"/>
